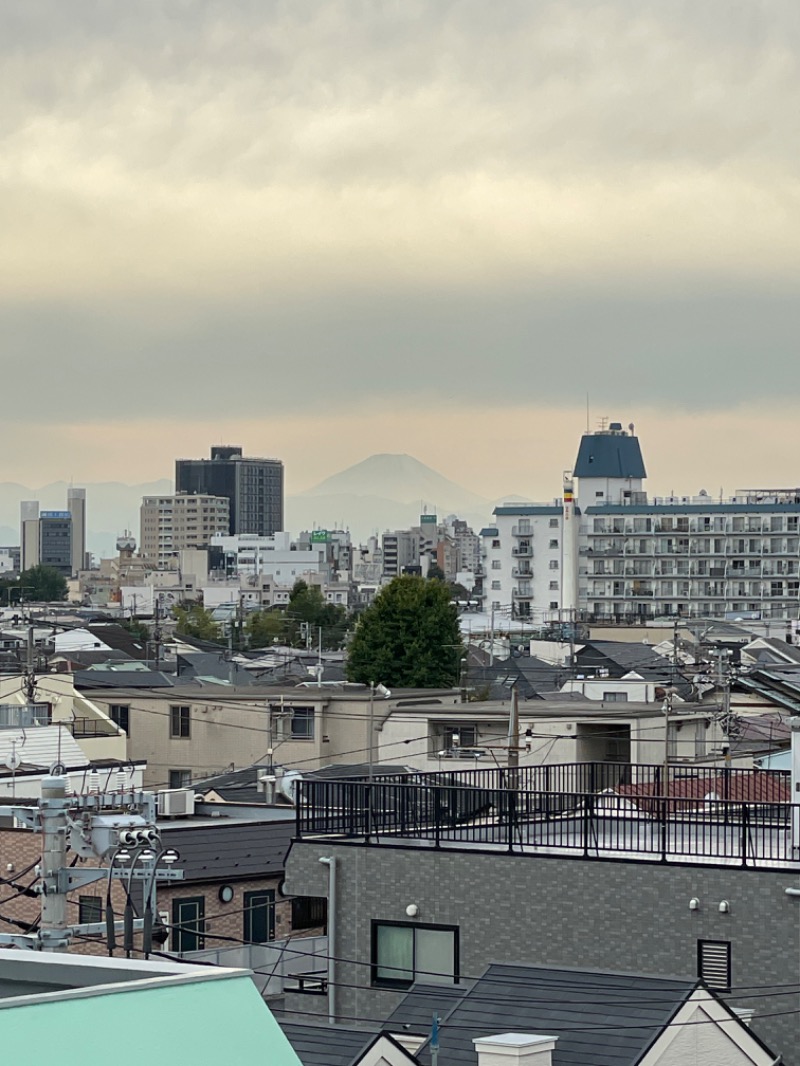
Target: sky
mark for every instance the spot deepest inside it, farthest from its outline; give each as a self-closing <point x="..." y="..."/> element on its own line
<point x="329" y="229"/>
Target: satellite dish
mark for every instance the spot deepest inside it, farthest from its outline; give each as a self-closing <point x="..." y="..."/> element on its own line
<point x="13" y="761"/>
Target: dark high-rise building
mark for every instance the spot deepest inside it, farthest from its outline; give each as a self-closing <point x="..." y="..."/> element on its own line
<point x="254" y="487"/>
<point x="55" y="540"/>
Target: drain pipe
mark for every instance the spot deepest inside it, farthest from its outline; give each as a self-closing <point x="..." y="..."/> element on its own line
<point x="330" y="862"/>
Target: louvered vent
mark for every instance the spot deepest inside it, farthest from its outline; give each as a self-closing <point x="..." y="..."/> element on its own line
<point x="714" y="963"/>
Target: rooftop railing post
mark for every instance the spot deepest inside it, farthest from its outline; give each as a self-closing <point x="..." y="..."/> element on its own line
<point x="745" y="831"/>
<point x="437" y="814"/>
<point x="664" y="828"/>
<point x="585" y="824"/>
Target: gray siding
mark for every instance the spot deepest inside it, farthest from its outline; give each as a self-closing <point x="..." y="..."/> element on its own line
<point x="622" y="916"/>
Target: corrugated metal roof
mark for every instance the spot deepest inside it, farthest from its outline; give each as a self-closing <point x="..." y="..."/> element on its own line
<point x="42" y="746"/>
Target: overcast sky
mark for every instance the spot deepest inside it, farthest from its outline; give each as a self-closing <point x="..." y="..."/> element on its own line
<point x="329" y="229"/>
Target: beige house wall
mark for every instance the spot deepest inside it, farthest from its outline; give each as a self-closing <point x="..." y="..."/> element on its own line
<point x="236" y="727"/>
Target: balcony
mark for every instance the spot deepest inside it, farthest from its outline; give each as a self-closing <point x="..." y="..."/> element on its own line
<point x="521" y="531"/>
<point x="524" y="592"/>
<point x="521" y="571"/>
<point x="523" y="551"/>
<point x="578" y="810"/>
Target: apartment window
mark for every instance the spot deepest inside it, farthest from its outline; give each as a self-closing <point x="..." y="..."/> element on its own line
<point x="615" y="697"/>
<point x="303" y="723"/>
<point x="180" y="778"/>
<point x="495" y="605"/>
<point x="403" y="953"/>
<point x="120" y="714"/>
<point x="554" y="586"/>
<point x="180" y="722"/>
<point x="554" y="523"/>
<point x="309" y="912"/>
<point x="554" y="564"/>
<point x="553" y="605"/>
<point x="90" y="909"/>
<point x="714" y="963"/>
<point x="259" y="916"/>
<point x="553" y="543"/>
<point x="495" y="586"/>
<point x="496" y="564"/>
<point x="495" y="543"/>
<point x="188" y="923"/>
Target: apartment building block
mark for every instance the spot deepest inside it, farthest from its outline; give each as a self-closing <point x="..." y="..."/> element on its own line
<point x="605" y="551"/>
<point x="253" y="487"/>
<point x="171" y="524"/>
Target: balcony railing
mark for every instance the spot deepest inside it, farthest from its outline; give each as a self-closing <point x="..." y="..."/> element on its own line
<point x="718" y="817"/>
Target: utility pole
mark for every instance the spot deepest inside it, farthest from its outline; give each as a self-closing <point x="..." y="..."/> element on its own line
<point x="513" y="738"/>
<point x="119" y="826"/>
<point x="668" y="705"/>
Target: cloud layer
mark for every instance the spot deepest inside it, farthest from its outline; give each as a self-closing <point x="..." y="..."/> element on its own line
<point x="221" y="211"/>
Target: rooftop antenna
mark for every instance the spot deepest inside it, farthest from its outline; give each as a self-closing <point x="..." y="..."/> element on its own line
<point x="603" y="423"/>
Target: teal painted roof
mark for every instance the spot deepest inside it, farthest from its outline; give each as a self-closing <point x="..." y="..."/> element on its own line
<point x="205" y="1021"/>
<point x="609" y="455"/>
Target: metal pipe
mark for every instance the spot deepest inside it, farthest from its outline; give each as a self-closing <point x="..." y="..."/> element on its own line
<point x="330" y="862"/>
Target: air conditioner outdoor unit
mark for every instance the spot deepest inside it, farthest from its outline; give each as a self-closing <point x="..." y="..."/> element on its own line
<point x="176" y="802"/>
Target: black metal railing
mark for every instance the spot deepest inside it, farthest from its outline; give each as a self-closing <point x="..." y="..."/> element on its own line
<point x="723" y="783"/>
<point x="624" y="823"/>
<point x="90" y="727"/>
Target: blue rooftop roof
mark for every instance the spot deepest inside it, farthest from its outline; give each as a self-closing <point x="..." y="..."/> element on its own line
<point x="609" y="455"/>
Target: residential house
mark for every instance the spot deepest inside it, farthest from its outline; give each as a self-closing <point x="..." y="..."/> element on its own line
<point x="191" y="731"/>
<point x="555" y="1016"/>
<point x="440" y="875"/>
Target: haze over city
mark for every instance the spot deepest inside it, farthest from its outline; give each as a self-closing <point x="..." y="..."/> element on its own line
<point x="333" y="229"/>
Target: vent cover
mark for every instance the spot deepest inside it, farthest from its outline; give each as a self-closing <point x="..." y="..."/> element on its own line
<point x="714" y="963"/>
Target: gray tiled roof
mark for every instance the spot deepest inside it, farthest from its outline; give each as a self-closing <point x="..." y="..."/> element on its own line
<point x="326" y="1045"/>
<point x="574" y="1005"/>
<point x="232" y="849"/>
<point x="414" y="1013"/>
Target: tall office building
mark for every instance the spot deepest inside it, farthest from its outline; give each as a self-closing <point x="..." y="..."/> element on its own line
<point x="29" y="534"/>
<point x="253" y="487"/>
<point x="76" y="505"/>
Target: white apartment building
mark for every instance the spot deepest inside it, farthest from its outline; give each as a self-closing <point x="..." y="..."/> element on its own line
<point x="248" y="554"/>
<point x="619" y="555"/>
<point x="170" y="524"/>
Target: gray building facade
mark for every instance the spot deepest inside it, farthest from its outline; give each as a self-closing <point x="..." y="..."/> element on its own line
<point x="625" y="916"/>
<point x="253" y="487"/>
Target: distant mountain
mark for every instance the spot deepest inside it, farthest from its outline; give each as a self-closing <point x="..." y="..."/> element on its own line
<point x="383" y="492"/>
<point x="401" y="478"/>
<point x="111" y="507"/>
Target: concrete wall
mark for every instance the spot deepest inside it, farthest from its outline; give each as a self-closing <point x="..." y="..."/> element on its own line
<point x="624" y="916"/>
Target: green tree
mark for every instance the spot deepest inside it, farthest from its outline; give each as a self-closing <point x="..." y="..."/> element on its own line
<point x="408" y="637"/>
<point x="196" y="621"/>
<point x="136" y="628"/>
<point x="308" y="608"/>
<point x="435" y="572"/>
<point x="263" y="627"/>
<point x="41" y="584"/>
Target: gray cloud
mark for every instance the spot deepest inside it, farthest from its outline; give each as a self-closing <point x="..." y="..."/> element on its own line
<point x="293" y="203"/>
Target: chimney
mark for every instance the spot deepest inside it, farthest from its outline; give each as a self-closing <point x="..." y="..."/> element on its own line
<point x="515" y="1049"/>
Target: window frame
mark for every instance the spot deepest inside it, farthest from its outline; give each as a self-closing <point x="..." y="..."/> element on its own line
<point x="177" y="721"/>
<point x="120" y="715"/>
<point x="415" y="927"/>
<point x="96" y="905"/>
<point x="303" y="714"/>
<point x="304" y="915"/>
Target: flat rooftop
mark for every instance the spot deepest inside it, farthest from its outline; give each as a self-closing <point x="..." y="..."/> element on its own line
<point x="28" y="977"/>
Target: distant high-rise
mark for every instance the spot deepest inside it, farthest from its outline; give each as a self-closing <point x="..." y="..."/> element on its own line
<point x="76" y="505"/>
<point x="253" y="487"/>
<point x="29" y="534"/>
